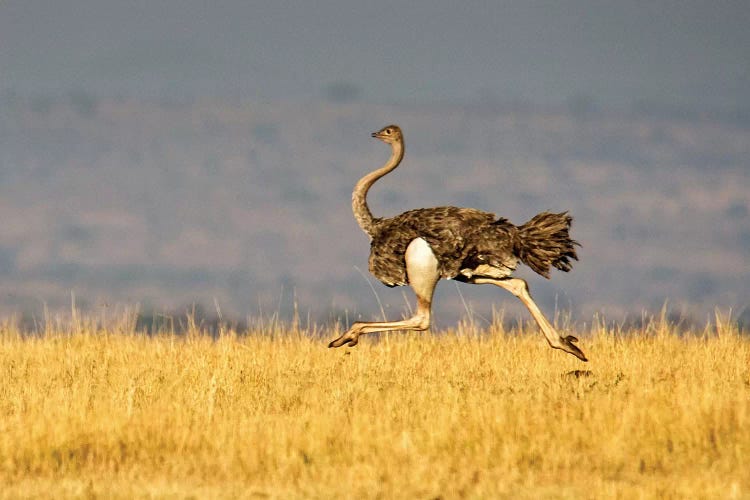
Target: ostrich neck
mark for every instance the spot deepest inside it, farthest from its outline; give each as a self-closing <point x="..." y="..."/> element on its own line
<point x="359" y="196"/>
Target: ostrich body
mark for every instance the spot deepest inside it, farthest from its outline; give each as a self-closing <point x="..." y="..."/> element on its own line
<point x="418" y="247"/>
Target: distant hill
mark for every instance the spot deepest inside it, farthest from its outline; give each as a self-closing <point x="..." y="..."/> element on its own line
<point x="245" y="204"/>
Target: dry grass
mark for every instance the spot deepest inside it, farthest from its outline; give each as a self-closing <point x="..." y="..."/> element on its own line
<point x="86" y="412"/>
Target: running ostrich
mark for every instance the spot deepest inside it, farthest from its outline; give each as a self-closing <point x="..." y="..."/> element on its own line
<point x="421" y="246"/>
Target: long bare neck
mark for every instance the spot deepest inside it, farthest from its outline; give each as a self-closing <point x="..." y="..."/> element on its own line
<point x="359" y="196"/>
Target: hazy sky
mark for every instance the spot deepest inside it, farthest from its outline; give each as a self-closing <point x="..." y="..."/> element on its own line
<point x="688" y="53"/>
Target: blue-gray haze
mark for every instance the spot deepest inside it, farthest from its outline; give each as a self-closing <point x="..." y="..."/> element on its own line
<point x="686" y="53"/>
<point x="126" y="176"/>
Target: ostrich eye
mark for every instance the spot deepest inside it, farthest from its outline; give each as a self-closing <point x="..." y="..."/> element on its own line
<point x="388" y="131"/>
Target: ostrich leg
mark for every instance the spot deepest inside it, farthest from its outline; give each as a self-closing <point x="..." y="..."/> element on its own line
<point x="520" y="289"/>
<point x="421" y="269"/>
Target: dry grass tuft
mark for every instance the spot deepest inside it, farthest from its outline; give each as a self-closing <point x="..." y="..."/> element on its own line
<point x="91" y="412"/>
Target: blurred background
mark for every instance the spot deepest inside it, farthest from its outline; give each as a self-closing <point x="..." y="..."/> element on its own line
<point x="171" y="154"/>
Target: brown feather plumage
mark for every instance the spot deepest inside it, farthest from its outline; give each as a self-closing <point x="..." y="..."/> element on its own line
<point x="464" y="238"/>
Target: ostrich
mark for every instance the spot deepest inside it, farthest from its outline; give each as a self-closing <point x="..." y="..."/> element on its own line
<point x="418" y="247"/>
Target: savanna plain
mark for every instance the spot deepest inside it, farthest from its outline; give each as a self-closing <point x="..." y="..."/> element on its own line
<point x="88" y="411"/>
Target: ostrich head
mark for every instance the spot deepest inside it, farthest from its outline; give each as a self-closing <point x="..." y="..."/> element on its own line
<point x="389" y="134"/>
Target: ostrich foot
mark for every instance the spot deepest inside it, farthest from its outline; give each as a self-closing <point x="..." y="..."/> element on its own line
<point x="567" y="344"/>
<point x="349" y="338"/>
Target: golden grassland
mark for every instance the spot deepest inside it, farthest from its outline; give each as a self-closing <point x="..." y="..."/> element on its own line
<point x="109" y="412"/>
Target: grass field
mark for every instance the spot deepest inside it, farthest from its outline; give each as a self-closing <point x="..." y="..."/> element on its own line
<point x="111" y="413"/>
